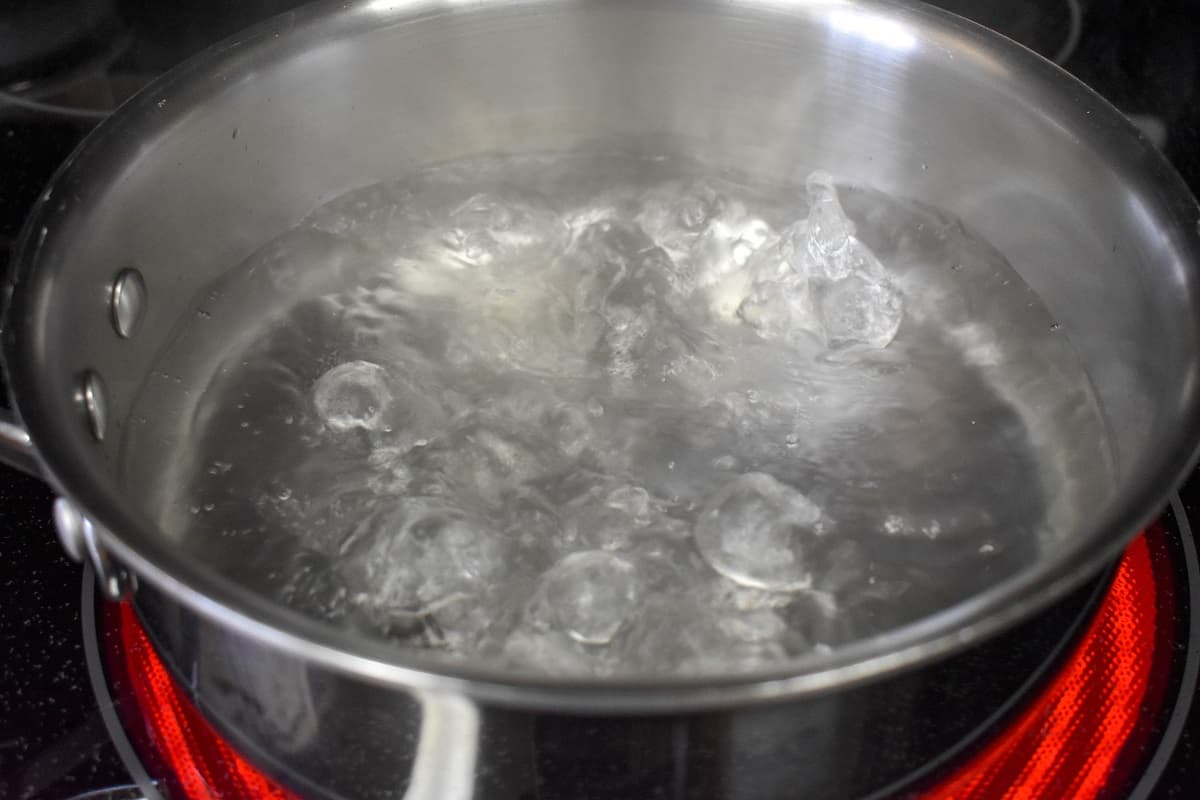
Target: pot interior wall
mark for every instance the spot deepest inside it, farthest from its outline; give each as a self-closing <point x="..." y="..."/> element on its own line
<point x="195" y="176"/>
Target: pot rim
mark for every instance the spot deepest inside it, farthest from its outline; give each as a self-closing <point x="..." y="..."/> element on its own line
<point x="150" y="555"/>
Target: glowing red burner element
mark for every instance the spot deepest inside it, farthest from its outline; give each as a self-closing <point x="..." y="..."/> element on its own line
<point x="1069" y="741"/>
<point x="1077" y="738"/>
<point x="205" y="767"/>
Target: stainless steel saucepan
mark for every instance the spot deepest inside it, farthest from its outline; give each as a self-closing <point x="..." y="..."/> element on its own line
<point x="238" y="144"/>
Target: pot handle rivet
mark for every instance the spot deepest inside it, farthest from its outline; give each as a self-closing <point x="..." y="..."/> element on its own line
<point x="128" y="302"/>
<point x="93" y="397"/>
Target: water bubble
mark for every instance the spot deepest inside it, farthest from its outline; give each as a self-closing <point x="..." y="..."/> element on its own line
<point x="725" y="247"/>
<point x="570" y="427"/>
<point x="778" y="304"/>
<point x="860" y="310"/>
<point x="756" y="531"/>
<point x="425" y="553"/>
<point x="352" y="395"/>
<point x="486" y="457"/>
<point x="827" y="233"/>
<point x="821" y="279"/>
<point x="502" y="230"/>
<point x="754" y="626"/>
<point x="680" y="632"/>
<point x="611" y="263"/>
<point x="547" y="652"/>
<point x="698" y="206"/>
<point x="611" y="520"/>
<point x="674" y="216"/>
<point x="588" y="596"/>
<point x="632" y="500"/>
<point x="725" y="463"/>
<point x="312" y="585"/>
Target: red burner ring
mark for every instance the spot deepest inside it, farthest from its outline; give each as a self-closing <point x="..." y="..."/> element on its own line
<point x="1084" y="731"/>
<point x="1081" y="734"/>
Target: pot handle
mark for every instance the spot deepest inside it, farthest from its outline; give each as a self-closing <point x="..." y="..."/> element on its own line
<point x="16" y="448"/>
<point x="76" y="533"/>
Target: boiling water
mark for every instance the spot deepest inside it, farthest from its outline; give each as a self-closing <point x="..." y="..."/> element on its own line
<point x="614" y="416"/>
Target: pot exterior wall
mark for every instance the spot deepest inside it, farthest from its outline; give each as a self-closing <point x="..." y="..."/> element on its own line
<point x="329" y="735"/>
